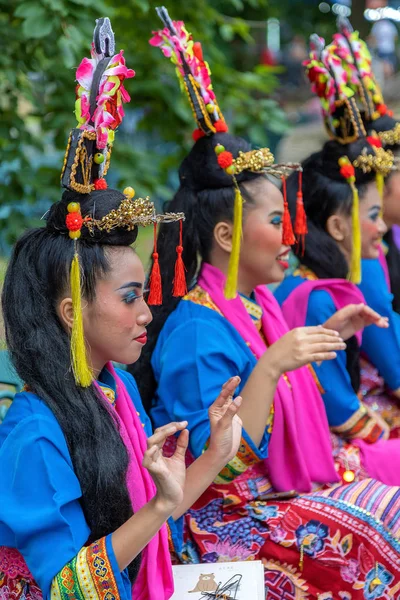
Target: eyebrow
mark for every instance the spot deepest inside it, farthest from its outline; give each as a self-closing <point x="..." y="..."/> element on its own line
<point x="131" y="284"/>
<point x="375" y="207"/>
<point x="276" y="212"/>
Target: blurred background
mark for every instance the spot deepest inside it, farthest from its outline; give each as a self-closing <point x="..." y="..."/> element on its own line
<point x="255" y="49"/>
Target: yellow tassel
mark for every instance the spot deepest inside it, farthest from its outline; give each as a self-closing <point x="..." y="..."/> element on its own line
<point x="380" y="184"/>
<point x="231" y="280"/>
<point x="355" y="266"/>
<point x="82" y="373"/>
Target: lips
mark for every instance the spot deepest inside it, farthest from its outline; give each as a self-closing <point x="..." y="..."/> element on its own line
<point x="142" y="339"/>
<point x="283" y="260"/>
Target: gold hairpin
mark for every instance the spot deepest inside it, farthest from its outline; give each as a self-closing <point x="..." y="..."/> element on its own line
<point x="390" y="137"/>
<point x="131" y="213"/>
<point x="381" y="162"/>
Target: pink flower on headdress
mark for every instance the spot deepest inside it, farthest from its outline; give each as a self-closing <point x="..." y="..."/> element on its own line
<point x="109" y="111"/>
<point x="173" y="46"/>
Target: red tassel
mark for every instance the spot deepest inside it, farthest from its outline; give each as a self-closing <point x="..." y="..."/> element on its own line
<point x="180" y="287"/>
<point x="155" y="295"/>
<point x="288" y="238"/>
<point x="300" y="225"/>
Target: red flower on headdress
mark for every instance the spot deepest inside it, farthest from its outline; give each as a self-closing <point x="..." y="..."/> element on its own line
<point x="100" y="184"/>
<point x="374" y="141"/>
<point x="197" y="134"/>
<point x="74" y="221"/>
<point x="221" y="126"/>
<point x="382" y="109"/>
<point x="225" y="159"/>
<point x="347" y="171"/>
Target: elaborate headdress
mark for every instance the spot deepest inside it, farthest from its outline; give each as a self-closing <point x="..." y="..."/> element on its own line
<point x="357" y="60"/>
<point x="335" y="85"/>
<point x="100" y="95"/>
<point x="194" y="76"/>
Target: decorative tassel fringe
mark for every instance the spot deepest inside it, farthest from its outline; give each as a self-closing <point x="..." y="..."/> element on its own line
<point x="288" y="238"/>
<point x="155" y="295"/>
<point x="82" y="373"/>
<point x="355" y="266"/>
<point x="380" y="184"/>
<point x="231" y="280"/>
<point x="300" y="225"/>
<point x="180" y="287"/>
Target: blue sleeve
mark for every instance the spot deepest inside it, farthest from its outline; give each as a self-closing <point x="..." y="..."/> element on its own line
<point x="382" y="346"/>
<point x="40" y="505"/>
<point x="197" y="358"/>
<point x="341" y="401"/>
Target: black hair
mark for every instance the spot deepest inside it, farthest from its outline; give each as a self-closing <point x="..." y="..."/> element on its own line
<point x="326" y="192"/>
<point x="206" y="196"/>
<point x="36" y="278"/>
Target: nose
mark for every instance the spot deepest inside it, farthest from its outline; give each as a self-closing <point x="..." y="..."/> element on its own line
<point x="144" y="317"/>
<point x="382" y="228"/>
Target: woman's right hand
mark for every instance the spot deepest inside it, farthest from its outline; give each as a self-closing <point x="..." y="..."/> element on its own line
<point x="168" y="474"/>
<point x="300" y="347"/>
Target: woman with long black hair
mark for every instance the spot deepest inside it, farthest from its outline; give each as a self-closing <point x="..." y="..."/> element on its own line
<point x="85" y="489"/>
<point x="284" y="498"/>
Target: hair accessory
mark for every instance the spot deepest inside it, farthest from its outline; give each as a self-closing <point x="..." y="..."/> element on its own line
<point x="354" y="52"/>
<point x="347" y="171"/>
<point x="300" y="224"/>
<point x="288" y="238"/>
<point x="193" y="73"/>
<point x="194" y="76"/>
<point x="99" y="110"/>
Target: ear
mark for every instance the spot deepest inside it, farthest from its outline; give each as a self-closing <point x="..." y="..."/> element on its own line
<point x="337" y="226"/>
<point x="66" y="313"/>
<point x="223" y="236"/>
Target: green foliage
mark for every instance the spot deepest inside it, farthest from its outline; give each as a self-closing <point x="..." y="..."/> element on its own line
<point x="44" y="42"/>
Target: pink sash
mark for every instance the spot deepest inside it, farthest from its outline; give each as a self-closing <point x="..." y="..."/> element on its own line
<point x="300" y="451"/>
<point x="154" y="581"/>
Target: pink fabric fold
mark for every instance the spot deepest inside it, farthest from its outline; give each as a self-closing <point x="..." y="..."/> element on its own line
<point x="342" y="292"/>
<point x="300" y="451"/>
<point x="379" y="459"/>
<point x="154" y="581"/>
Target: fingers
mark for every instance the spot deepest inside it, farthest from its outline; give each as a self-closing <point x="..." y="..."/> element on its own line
<point x="317" y="329"/>
<point x="151" y="456"/>
<point x="371" y="317"/>
<point x="231" y="412"/>
<point x="227" y="391"/>
<point x="320" y="357"/>
<point x="182" y="444"/>
<point x="162" y="433"/>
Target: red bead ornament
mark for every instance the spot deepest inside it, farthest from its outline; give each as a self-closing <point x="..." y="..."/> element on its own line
<point x="197" y="134"/>
<point x="374" y="141"/>
<point x="74" y="221"/>
<point x="382" y="109"/>
<point x="347" y="171"/>
<point x="179" y="283"/>
<point x="225" y="159"/>
<point x="221" y="126"/>
<point x="100" y="184"/>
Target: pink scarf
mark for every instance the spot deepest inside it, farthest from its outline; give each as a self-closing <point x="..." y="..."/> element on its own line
<point x="300" y="451"/>
<point x="154" y="581"/>
<point x="342" y="292"/>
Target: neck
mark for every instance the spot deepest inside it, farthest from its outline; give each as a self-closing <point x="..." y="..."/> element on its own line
<point x="245" y="283"/>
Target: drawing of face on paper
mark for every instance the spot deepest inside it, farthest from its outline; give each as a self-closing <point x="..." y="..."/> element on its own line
<point x="206" y="583"/>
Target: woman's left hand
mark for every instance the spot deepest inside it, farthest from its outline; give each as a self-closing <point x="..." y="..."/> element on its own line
<point x="226" y="425"/>
<point x="353" y="318"/>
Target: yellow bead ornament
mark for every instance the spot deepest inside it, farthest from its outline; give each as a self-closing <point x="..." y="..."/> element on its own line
<point x="129" y="192"/>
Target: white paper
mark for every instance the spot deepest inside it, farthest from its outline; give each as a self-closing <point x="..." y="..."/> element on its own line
<point x="192" y="580"/>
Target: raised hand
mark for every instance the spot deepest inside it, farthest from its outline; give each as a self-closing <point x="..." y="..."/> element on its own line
<point x="168" y="473"/>
<point x="353" y="318"/>
<point x="302" y="346"/>
<point x="226" y="425"/>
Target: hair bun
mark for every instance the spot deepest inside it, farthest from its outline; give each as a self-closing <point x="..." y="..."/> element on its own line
<point x="96" y="204"/>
